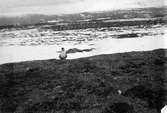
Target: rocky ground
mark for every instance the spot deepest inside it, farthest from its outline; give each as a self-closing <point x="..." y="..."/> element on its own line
<point x="119" y="83"/>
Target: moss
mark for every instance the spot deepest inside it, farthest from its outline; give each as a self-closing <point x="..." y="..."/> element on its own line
<point x="86" y="85"/>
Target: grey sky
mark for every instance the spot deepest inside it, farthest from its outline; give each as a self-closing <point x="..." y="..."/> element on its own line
<point x="19" y="7"/>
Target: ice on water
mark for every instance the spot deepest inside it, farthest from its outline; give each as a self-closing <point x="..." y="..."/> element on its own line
<point x="35" y="44"/>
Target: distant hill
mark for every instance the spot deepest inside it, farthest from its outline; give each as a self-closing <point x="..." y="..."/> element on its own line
<point x="116" y="14"/>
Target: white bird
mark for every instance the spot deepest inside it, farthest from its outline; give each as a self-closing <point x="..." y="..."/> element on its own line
<point x="63" y="54"/>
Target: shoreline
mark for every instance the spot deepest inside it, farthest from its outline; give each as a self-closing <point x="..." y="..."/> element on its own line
<point x="107" y="46"/>
<point x="88" y="57"/>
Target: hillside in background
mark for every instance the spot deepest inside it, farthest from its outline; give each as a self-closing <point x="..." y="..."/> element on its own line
<point x="116" y="14"/>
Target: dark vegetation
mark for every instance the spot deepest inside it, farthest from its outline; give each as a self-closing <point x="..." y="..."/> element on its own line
<point x="86" y="85"/>
<point x="101" y="23"/>
<point x="130" y="35"/>
<point x="77" y="21"/>
<point x="75" y="50"/>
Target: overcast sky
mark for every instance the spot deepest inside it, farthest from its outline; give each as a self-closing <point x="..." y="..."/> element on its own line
<point x="19" y="7"/>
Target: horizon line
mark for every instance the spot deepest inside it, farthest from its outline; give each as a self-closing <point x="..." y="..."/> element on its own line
<point x="61" y="14"/>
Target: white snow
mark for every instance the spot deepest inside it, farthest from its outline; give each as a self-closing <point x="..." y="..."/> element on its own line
<point x="164" y="109"/>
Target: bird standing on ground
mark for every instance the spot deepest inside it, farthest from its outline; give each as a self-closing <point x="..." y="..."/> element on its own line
<point x="63" y="54"/>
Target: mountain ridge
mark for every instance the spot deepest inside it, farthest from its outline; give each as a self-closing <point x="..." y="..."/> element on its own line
<point x="115" y="14"/>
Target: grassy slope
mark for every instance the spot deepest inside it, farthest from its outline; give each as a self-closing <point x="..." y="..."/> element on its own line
<point x="87" y="85"/>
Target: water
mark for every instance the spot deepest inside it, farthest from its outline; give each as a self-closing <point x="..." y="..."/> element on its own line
<point x="39" y="44"/>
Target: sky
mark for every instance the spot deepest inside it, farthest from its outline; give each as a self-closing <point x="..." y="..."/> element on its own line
<point x="22" y="7"/>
